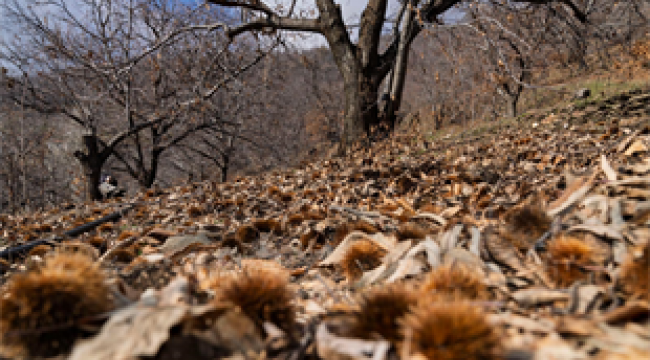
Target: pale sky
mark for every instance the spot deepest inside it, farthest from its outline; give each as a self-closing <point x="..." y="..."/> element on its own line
<point x="352" y="10"/>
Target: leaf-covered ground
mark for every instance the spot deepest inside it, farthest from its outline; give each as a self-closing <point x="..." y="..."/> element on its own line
<point x="523" y="241"/>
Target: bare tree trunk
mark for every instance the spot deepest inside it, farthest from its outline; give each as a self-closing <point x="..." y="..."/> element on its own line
<point x="146" y="178"/>
<point x="398" y="74"/>
<point x="512" y="101"/>
<point x="368" y="98"/>
<point x="353" y="126"/>
<point x="224" y="169"/>
<point x="93" y="174"/>
<point x="12" y="177"/>
<point x="92" y="162"/>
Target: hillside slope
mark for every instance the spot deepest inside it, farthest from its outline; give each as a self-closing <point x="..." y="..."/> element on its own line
<point x="524" y="239"/>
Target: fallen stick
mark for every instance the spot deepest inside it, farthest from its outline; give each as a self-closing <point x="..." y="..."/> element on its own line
<point x="21" y="250"/>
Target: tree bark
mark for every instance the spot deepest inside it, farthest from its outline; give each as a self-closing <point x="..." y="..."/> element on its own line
<point x="360" y="65"/>
<point x="352" y="124"/>
<point x="368" y="93"/>
<point x="93" y="172"/>
<point x="512" y="101"/>
<point x="224" y="170"/>
<point x="398" y="74"/>
<point x="92" y="162"/>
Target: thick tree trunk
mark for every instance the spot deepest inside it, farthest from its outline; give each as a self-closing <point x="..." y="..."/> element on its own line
<point x="93" y="173"/>
<point x="368" y="93"/>
<point x="352" y="126"/>
<point x="148" y="177"/>
<point x="512" y="101"/>
<point x="224" y="173"/>
<point x="361" y="112"/>
<point x="92" y="162"/>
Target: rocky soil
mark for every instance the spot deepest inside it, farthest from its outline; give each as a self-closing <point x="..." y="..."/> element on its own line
<point x="525" y="240"/>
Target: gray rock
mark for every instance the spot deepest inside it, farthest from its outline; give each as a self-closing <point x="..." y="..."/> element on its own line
<point x="110" y="191"/>
<point x="106" y="189"/>
<point x="583" y="93"/>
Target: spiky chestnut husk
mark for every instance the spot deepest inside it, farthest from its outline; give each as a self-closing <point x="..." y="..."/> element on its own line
<point x="195" y="211"/>
<point x="247" y="233"/>
<point x="126" y="234"/>
<point x="344" y="229"/>
<point x="4" y="265"/>
<point x="287" y="196"/>
<point x="97" y="242"/>
<point x="262" y="294"/>
<point x="78" y="247"/>
<point x="41" y="308"/>
<point x="308" y="237"/>
<point x="363" y="255"/>
<point x="273" y="190"/>
<point x="566" y="259"/>
<point x="267" y="225"/>
<point x="456" y="281"/>
<point x="314" y="215"/>
<point x="231" y="241"/>
<point x="39" y="250"/>
<point x="450" y="330"/>
<point x="408" y="231"/>
<point x="295" y="219"/>
<point x="525" y="226"/>
<point x="635" y="272"/>
<point x="380" y="311"/>
<point x="123" y="256"/>
<point x="105" y="227"/>
<point x="42" y="228"/>
<point x="429" y="208"/>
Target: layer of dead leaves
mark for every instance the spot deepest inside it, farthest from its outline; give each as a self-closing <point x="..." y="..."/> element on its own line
<point x="534" y="235"/>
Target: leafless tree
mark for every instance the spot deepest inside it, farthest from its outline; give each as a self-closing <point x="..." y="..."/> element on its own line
<point x="113" y="68"/>
<point x="361" y="64"/>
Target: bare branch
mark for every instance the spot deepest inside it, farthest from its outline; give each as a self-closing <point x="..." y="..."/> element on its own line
<point x="251" y="5"/>
<point x="277" y="23"/>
